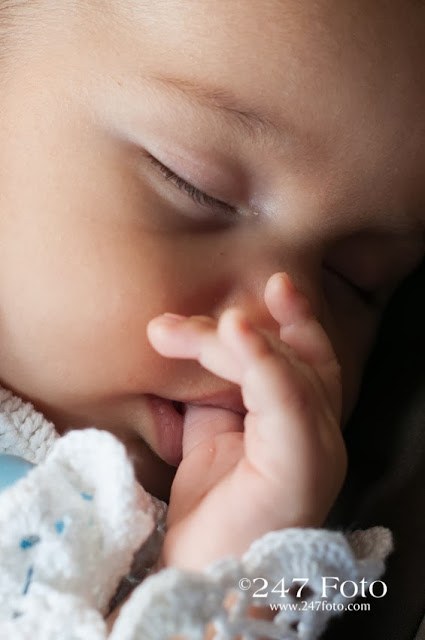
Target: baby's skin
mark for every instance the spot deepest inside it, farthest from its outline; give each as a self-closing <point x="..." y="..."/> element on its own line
<point x="283" y="464"/>
<point x="280" y="465"/>
<point x="180" y="157"/>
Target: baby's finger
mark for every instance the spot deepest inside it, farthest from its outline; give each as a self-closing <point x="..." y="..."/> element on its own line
<point x="292" y="310"/>
<point x="301" y="330"/>
<point x="194" y="338"/>
<point x="283" y="400"/>
<point x="293" y="440"/>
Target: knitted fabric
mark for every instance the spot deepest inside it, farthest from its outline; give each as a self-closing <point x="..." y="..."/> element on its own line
<point x="78" y="527"/>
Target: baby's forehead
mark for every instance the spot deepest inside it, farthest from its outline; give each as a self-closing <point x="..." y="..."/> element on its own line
<point x="321" y="63"/>
<point x="341" y="83"/>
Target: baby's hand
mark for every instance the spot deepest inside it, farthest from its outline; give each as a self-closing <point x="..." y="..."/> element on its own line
<point x="287" y="466"/>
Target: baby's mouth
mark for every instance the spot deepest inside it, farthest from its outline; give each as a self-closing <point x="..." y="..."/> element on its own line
<point x="180" y="407"/>
<point x="167" y="417"/>
<point x="180" y="426"/>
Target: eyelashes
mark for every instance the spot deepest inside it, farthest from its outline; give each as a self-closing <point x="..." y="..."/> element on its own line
<point x="367" y="298"/>
<point x="199" y="197"/>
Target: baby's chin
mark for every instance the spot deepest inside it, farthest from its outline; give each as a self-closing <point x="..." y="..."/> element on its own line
<point x="151" y="471"/>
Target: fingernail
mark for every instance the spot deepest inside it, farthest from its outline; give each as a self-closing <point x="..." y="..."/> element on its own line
<point x="171" y="318"/>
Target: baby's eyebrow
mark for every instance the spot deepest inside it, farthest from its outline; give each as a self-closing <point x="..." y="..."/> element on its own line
<point x="254" y="122"/>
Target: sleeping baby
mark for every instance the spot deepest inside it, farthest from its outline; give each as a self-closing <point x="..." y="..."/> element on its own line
<point x="205" y="208"/>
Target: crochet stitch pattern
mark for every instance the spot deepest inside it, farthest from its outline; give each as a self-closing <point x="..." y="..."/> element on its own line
<point x="78" y="527"/>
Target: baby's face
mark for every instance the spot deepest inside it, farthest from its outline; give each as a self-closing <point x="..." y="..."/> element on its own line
<point x="303" y="124"/>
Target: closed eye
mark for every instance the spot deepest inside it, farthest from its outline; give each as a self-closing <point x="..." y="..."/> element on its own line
<point x="368" y="298"/>
<point x="199" y="197"/>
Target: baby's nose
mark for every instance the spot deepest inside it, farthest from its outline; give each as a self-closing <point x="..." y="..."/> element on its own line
<point x="274" y="299"/>
<point x="253" y="305"/>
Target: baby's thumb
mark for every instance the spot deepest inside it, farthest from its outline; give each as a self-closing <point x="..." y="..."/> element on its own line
<point x="201" y="424"/>
<point x="207" y="458"/>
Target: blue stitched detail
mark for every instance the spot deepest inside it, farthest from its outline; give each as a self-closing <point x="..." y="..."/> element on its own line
<point x="28" y="581"/>
<point x="86" y="496"/>
<point x="27" y="543"/>
<point x="59" y="526"/>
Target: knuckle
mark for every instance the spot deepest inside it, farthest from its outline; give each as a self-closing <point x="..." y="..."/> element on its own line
<point x="202" y="318"/>
<point x="203" y="322"/>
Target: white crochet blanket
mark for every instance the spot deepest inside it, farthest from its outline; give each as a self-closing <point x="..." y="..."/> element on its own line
<point x="70" y="529"/>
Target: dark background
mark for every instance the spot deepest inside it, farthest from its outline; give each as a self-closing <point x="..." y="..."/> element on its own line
<point x="386" y="478"/>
